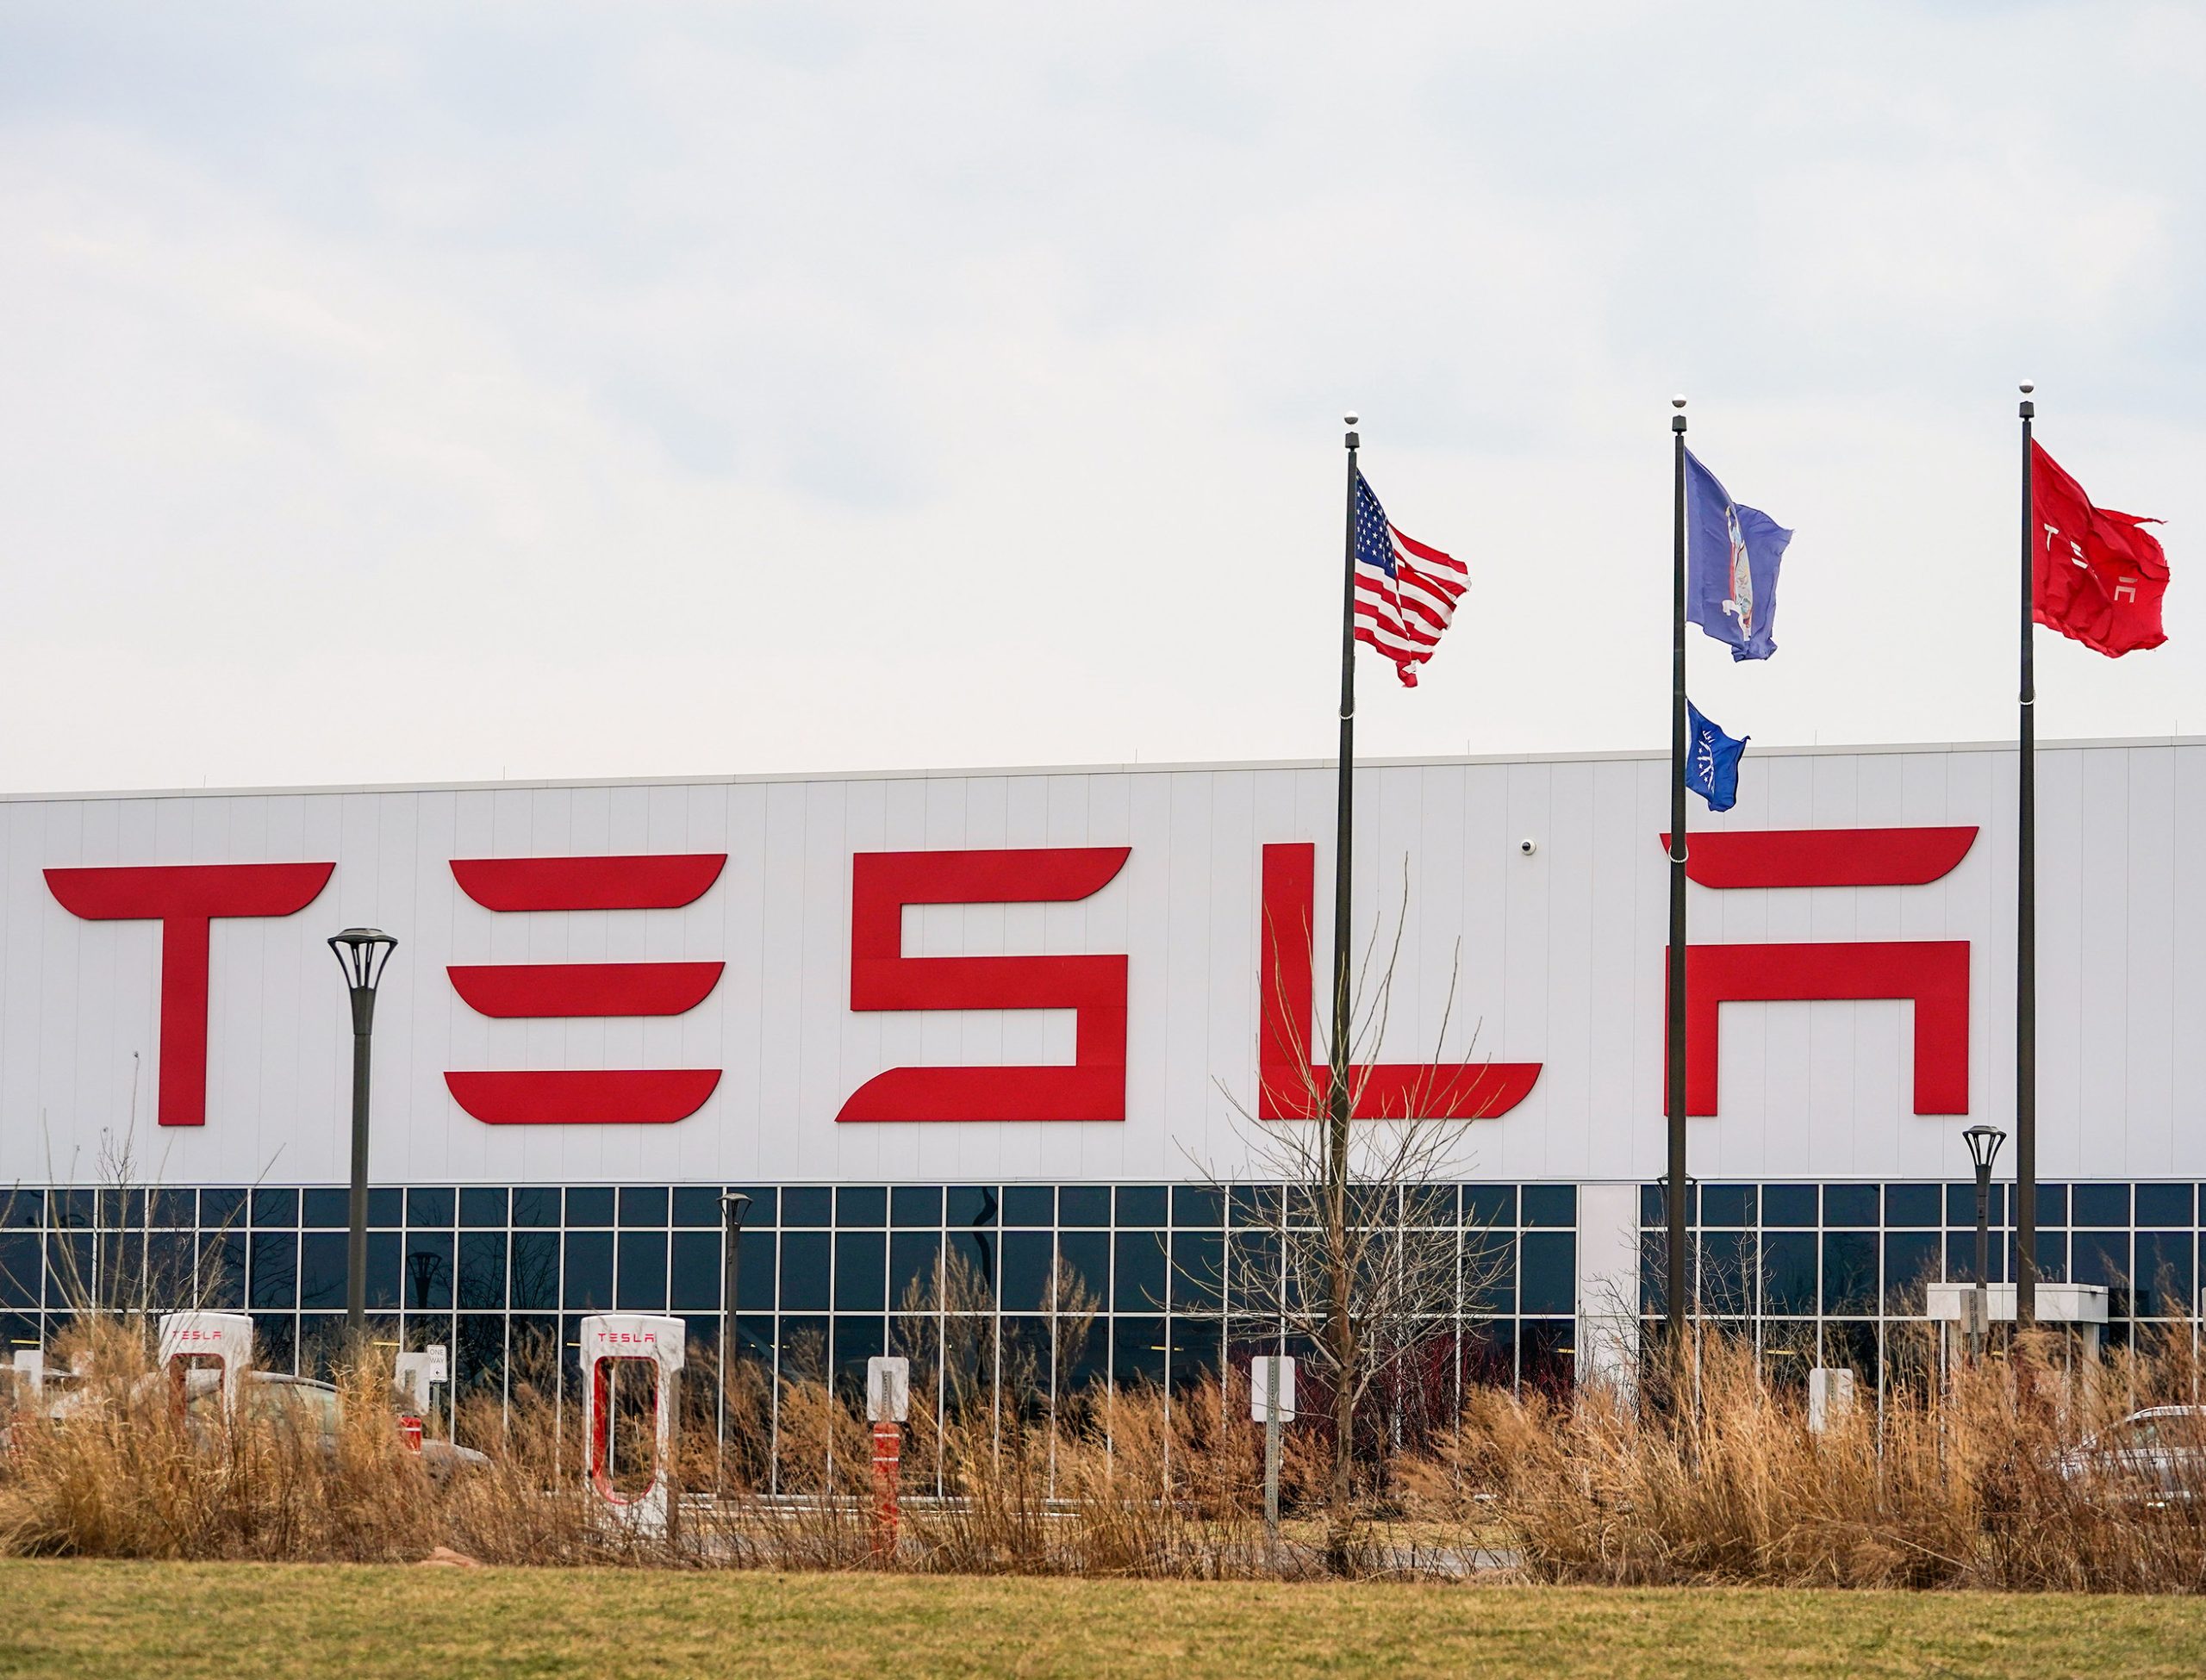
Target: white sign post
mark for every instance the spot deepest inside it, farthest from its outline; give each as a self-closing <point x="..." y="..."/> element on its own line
<point x="1271" y="1403"/>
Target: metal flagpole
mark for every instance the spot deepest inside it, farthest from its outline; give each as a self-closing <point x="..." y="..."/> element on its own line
<point x="2026" y="923"/>
<point x="1674" y="992"/>
<point x="1337" y="1103"/>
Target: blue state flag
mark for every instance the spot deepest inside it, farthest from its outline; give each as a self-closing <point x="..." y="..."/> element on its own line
<point x="1732" y="553"/>
<point x="1712" y="761"/>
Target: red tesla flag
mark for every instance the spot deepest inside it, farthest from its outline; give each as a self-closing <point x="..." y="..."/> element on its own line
<point x="2100" y="573"/>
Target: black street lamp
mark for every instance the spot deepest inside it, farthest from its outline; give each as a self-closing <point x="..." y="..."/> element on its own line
<point x="1984" y="1143"/>
<point x="733" y="1206"/>
<point x="362" y="954"/>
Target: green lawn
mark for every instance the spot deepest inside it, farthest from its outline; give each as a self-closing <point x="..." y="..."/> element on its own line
<point x="137" y="1621"/>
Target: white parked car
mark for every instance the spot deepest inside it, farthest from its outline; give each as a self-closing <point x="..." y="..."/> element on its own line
<point x="2158" y="1454"/>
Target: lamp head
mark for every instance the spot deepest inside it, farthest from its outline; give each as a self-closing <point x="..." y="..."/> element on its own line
<point x="1984" y="1143"/>
<point x="733" y="1206"/>
<point x="362" y="954"/>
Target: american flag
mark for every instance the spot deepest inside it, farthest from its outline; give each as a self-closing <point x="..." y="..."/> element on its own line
<point x="1406" y="593"/>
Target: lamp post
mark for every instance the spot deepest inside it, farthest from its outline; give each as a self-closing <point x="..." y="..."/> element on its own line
<point x="733" y="1206"/>
<point x="362" y="954"/>
<point x="1984" y="1143"/>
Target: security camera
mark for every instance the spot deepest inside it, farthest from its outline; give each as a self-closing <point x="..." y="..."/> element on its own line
<point x="1528" y="847"/>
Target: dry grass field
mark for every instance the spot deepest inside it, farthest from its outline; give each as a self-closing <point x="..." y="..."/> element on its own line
<point x="95" y="1620"/>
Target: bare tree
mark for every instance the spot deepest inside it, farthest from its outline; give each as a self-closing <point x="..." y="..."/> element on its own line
<point x="1349" y="1244"/>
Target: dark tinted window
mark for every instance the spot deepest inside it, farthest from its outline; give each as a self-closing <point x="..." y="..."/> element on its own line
<point x="1911" y="1204"/>
<point x="1549" y="1270"/>
<point x="1788" y="1204"/>
<point x="430" y="1207"/>
<point x="1489" y="1205"/>
<point x="2164" y="1205"/>
<point x="1911" y="1261"/>
<point x="643" y="1204"/>
<point x="640" y="1283"/>
<point x="1196" y="1204"/>
<point x="1550" y="1205"/>
<point x="591" y="1206"/>
<point x="860" y="1264"/>
<point x="1789" y="1270"/>
<point x="1849" y="1204"/>
<point x="913" y="1258"/>
<point x="535" y="1268"/>
<point x="700" y="1204"/>
<point x="325" y="1210"/>
<point x="536" y="1207"/>
<point x="862" y="1204"/>
<point x="915" y="1204"/>
<point x="221" y="1208"/>
<point x="1084" y="1256"/>
<point x="387" y="1207"/>
<point x="275" y="1207"/>
<point x="2100" y="1204"/>
<point x="1029" y="1205"/>
<point x="482" y="1268"/>
<point x="479" y="1206"/>
<point x="1026" y="1257"/>
<point x="1084" y="1204"/>
<point x="428" y="1270"/>
<point x="1726" y="1205"/>
<point x="1142" y="1203"/>
<point x="806" y="1279"/>
<point x="969" y="1204"/>
<point x="1137" y="1284"/>
<point x="274" y="1279"/>
<point x="1849" y="1271"/>
<point x="694" y="1285"/>
<point x="587" y="1284"/>
<point x="808" y="1204"/>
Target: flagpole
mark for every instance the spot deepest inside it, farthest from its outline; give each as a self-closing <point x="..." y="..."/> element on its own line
<point x="1336" y="1097"/>
<point x="1674" y="992"/>
<point x="2026" y="921"/>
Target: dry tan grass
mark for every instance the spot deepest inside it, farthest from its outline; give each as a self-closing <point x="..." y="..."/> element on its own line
<point x="1951" y="1487"/>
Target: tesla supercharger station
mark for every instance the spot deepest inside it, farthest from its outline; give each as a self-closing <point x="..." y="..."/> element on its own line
<point x="608" y="1342"/>
<point x="888" y="1404"/>
<point x="221" y="1338"/>
<point x="418" y="1372"/>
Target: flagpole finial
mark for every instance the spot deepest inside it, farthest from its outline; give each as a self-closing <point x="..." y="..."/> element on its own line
<point x="1678" y="420"/>
<point x="1350" y="419"/>
<point x="2028" y="409"/>
<point x="1678" y="402"/>
<point x="2028" y="386"/>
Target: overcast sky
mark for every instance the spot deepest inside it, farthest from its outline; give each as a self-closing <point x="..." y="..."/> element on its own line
<point x="446" y="392"/>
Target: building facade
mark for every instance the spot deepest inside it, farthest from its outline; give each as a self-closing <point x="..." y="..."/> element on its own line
<point x="1045" y="1020"/>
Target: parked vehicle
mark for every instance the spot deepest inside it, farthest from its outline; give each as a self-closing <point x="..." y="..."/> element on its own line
<point x="313" y="1408"/>
<point x="2158" y="1454"/>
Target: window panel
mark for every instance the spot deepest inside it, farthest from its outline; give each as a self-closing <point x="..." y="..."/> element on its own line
<point x="1850" y="1272"/>
<point x="428" y="1270"/>
<point x="480" y="1207"/>
<point x="1549" y="1274"/>
<point x="643" y="1204"/>
<point x="694" y="1281"/>
<point x="915" y="1204"/>
<point x="482" y="1268"/>
<point x="806" y="1275"/>
<point x="861" y="1271"/>
<point x="321" y="1269"/>
<point x="1789" y="1271"/>
<point x="430" y="1207"/>
<point x="587" y="1283"/>
<point x="1138" y="1281"/>
<point x="640" y="1282"/>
